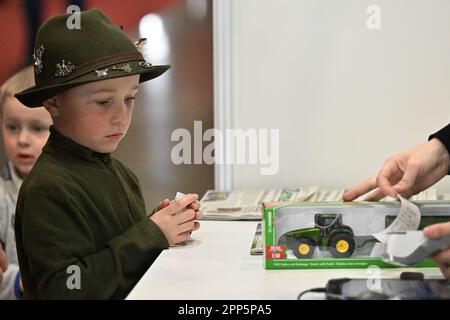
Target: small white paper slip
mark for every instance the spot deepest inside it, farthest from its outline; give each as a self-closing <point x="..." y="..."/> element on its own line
<point x="178" y="196"/>
<point x="407" y="219"/>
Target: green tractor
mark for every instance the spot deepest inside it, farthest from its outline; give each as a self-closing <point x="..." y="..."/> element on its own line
<point x="328" y="234"/>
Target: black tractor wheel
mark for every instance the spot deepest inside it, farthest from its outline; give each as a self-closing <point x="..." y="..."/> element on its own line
<point x="303" y="248"/>
<point x="342" y="246"/>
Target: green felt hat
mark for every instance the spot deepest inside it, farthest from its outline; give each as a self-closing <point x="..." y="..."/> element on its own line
<point x="65" y="58"/>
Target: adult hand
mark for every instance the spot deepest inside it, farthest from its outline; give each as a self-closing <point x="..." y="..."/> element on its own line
<point x="406" y="173"/>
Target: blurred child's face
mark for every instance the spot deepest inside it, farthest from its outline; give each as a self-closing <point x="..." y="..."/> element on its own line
<point x="96" y="115"/>
<point x="25" y="132"/>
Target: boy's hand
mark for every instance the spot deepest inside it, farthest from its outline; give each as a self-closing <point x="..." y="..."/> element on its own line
<point x="442" y="258"/>
<point x="178" y="227"/>
<point x="161" y="205"/>
<point x="194" y="206"/>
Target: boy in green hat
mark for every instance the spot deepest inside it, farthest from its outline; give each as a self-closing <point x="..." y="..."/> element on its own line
<point x="82" y="229"/>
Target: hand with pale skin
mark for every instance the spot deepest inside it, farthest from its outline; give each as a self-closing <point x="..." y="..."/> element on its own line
<point x="3" y="264"/>
<point x="194" y="205"/>
<point x="178" y="226"/>
<point x="406" y="173"/>
<point x="442" y="258"/>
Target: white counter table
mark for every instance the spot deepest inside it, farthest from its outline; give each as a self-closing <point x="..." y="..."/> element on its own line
<point x="217" y="264"/>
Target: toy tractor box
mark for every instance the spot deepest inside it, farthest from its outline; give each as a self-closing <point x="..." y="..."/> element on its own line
<point x="311" y="235"/>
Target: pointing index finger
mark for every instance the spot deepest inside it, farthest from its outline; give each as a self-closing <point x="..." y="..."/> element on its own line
<point x="364" y="187"/>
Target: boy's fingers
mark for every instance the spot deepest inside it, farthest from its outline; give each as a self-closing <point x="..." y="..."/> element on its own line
<point x="185" y="201"/>
<point x="180" y="204"/>
<point x="186" y="227"/>
<point x="164" y="203"/>
<point x="196" y="226"/>
<point x="161" y="205"/>
<point x="183" y="237"/>
<point x="194" y="205"/>
<point x="437" y="230"/>
<point x="198" y="215"/>
<point x="184" y="216"/>
<point x="189" y="227"/>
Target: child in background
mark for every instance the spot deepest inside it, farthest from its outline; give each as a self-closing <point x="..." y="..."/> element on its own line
<point x="24" y="132"/>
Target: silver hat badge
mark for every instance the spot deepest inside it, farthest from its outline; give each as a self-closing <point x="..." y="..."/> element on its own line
<point x="145" y="64"/>
<point x="37" y="57"/>
<point x="102" y="73"/>
<point x="63" y="69"/>
<point x="140" y="43"/>
<point x="125" y="68"/>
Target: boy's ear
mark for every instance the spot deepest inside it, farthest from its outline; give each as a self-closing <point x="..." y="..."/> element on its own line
<point x="51" y="105"/>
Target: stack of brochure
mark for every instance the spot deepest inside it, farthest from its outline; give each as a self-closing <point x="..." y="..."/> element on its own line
<point x="246" y="204"/>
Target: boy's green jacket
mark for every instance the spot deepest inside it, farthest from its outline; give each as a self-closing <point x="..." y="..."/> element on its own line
<point x="81" y="225"/>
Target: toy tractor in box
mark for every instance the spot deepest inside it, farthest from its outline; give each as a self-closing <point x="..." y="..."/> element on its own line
<point x="329" y="233"/>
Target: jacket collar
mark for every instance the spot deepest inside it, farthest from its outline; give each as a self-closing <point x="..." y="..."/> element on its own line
<point x="10" y="176"/>
<point x="16" y="180"/>
<point x="58" y="143"/>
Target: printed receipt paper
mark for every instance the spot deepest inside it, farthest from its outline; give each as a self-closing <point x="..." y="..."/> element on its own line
<point x="407" y="219"/>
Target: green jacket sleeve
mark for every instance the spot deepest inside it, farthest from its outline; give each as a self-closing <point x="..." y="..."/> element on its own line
<point x="57" y="242"/>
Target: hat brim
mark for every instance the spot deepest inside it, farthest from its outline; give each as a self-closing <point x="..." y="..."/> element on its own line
<point x="35" y="96"/>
